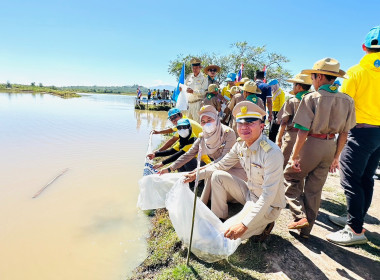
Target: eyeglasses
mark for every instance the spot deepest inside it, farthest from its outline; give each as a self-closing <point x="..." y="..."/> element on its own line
<point x="180" y="127"/>
<point x="212" y="70"/>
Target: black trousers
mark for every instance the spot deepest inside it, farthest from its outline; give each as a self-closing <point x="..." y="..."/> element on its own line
<point x="358" y="162"/>
<point x="273" y="127"/>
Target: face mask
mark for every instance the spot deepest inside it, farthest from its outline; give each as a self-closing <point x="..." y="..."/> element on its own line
<point x="209" y="127"/>
<point x="183" y="133"/>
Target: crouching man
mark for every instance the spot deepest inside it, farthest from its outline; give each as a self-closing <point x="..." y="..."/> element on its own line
<point x="263" y="195"/>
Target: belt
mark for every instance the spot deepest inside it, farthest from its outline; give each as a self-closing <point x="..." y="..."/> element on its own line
<point x="293" y="129"/>
<point x="195" y="101"/>
<point x="323" y="136"/>
<point x="364" y="125"/>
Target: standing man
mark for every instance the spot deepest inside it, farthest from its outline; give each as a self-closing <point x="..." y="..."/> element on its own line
<point x="149" y="93"/>
<point x="197" y="85"/>
<point x="321" y="114"/>
<point x="263" y="193"/>
<point x="287" y="136"/>
<point x="278" y="99"/>
<point x="266" y="92"/>
<point x="361" y="154"/>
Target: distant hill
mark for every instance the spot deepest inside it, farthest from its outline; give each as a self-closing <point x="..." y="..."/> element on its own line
<point x="104" y="89"/>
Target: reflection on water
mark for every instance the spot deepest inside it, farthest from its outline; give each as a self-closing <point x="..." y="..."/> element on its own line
<point x="85" y="225"/>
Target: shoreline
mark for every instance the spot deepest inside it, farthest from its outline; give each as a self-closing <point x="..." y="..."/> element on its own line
<point x="284" y="255"/>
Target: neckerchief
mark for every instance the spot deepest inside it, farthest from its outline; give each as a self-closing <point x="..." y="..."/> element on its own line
<point x="253" y="98"/>
<point x="329" y="88"/>
<point x="301" y="94"/>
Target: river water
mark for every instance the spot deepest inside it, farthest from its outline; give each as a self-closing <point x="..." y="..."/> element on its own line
<point x="85" y="225"/>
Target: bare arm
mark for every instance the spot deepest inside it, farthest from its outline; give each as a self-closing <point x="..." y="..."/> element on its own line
<point x="269" y="105"/>
<point x="165" y="131"/>
<point x="169" y="143"/>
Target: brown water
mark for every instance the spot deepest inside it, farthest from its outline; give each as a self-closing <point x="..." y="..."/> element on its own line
<point x="86" y="224"/>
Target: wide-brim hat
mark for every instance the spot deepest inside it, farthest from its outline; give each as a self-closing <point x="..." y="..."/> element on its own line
<point x="327" y="66"/>
<point x="234" y="90"/>
<point x="212" y="88"/>
<point x="301" y="79"/>
<point x="247" y="109"/>
<point x="242" y="81"/>
<point x="251" y="87"/>
<point x="212" y="66"/>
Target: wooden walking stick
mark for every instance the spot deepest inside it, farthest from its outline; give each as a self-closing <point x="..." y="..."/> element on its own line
<point x="195" y="202"/>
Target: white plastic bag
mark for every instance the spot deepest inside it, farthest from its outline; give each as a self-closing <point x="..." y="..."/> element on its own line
<point x="182" y="102"/>
<point x="209" y="243"/>
<point x="153" y="190"/>
<point x="148" y="166"/>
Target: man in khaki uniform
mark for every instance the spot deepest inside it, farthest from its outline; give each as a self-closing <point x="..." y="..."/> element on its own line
<point x="263" y="194"/>
<point x="249" y="91"/>
<point x="321" y="114"/>
<point x="215" y="144"/>
<point x="212" y="97"/>
<point x="196" y="84"/>
<point x="287" y="134"/>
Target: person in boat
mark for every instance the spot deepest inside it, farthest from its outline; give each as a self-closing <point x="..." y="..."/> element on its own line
<point x="263" y="194"/>
<point x="186" y="140"/>
<point x="216" y="141"/>
<point x="174" y="115"/>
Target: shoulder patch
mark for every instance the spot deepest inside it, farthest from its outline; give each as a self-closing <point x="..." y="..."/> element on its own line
<point x="228" y="130"/>
<point x="200" y="135"/>
<point x="265" y="146"/>
<point x="238" y="139"/>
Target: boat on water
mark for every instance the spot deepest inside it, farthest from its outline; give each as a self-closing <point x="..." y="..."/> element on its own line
<point x="154" y="104"/>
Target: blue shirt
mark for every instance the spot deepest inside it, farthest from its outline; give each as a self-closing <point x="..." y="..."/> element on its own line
<point x="266" y="91"/>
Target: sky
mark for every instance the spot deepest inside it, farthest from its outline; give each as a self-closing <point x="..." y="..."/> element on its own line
<point x="115" y="43"/>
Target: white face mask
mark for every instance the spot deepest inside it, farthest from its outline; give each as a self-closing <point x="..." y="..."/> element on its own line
<point x="209" y="127"/>
<point x="183" y="132"/>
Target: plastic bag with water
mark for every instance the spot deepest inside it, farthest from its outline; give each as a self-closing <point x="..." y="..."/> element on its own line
<point x="153" y="190"/>
<point x="209" y="243"/>
<point x="148" y="166"/>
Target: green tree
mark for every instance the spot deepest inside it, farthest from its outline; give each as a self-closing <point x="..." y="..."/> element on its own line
<point x="253" y="58"/>
<point x="40" y="85"/>
<point x="33" y="84"/>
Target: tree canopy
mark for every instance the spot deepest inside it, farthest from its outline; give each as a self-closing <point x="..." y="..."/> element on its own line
<point x="254" y="58"/>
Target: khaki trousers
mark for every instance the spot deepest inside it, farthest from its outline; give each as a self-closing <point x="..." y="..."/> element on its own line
<point x="288" y="141"/>
<point x="193" y="111"/>
<point x="227" y="187"/>
<point x="238" y="172"/>
<point x="304" y="189"/>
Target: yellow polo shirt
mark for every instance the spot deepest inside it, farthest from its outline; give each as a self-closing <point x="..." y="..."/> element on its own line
<point x="226" y="92"/>
<point x="278" y="99"/>
<point x="363" y="85"/>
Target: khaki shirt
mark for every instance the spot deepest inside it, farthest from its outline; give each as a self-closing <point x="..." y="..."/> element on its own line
<point x="288" y="112"/>
<point x="228" y="140"/>
<point x="198" y="84"/>
<point x="263" y="163"/>
<point x="324" y="112"/>
<point x="214" y="101"/>
<point x="236" y="98"/>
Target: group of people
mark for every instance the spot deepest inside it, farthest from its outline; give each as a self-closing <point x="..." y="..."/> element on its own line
<point x="319" y="130"/>
<point x="155" y="94"/>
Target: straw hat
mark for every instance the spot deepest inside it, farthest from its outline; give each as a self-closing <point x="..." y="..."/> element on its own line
<point x="327" y="66"/>
<point x="234" y="90"/>
<point x="301" y="79"/>
<point x="251" y="87"/>
<point x="212" y="88"/>
<point x="247" y="109"/>
<point x="212" y="66"/>
<point x="242" y="81"/>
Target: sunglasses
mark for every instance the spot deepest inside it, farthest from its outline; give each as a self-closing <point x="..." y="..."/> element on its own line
<point x="212" y="70"/>
<point x="180" y="127"/>
<point x="172" y="118"/>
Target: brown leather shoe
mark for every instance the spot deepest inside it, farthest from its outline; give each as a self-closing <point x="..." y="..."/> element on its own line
<point x="299" y="224"/>
<point x="264" y="235"/>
